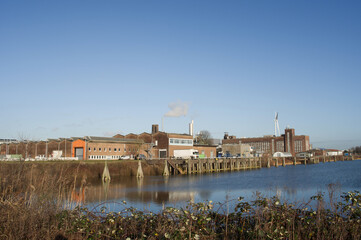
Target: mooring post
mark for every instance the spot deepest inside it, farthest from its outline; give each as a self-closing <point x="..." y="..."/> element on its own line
<point x="284" y="161"/>
<point x="268" y="162"/>
<point x="106" y="174"/>
<point x="188" y="166"/>
<point x="140" y="170"/>
<point x="305" y="161"/>
<point x="276" y="162"/>
<point x="166" y="169"/>
<point x="294" y="161"/>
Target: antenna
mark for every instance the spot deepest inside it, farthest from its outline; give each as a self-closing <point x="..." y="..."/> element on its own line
<point x="277" y="127"/>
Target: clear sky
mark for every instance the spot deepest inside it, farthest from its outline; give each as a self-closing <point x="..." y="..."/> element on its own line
<point x="98" y="68"/>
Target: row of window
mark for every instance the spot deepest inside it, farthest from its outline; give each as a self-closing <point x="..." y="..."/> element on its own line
<point x="103" y="157"/>
<point x="110" y="149"/>
<point x="299" y="146"/>
<point x="180" y="141"/>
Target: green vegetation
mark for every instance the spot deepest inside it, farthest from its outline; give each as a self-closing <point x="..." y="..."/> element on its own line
<point x="32" y="207"/>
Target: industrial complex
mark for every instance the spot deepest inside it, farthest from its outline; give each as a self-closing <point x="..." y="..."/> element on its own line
<point x="288" y="142"/>
<point x="154" y="145"/>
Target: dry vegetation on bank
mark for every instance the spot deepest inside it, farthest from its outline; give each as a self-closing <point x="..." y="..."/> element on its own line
<point x="32" y="199"/>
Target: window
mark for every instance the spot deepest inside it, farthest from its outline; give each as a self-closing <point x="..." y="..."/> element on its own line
<point x="118" y="149"/>
<point x="105" y="149"/>
<point x="110" y="149"/>
<point x="100" y="149"/>
<point x="180" y="141"/>
<point x="90" y="149"/>
<point x="115" y="149"/>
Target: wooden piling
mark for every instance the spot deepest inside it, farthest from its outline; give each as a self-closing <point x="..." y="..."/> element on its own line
<point x="166" y="169"/>
<point x="140" y="170"/>
<point x="106" y="174"/>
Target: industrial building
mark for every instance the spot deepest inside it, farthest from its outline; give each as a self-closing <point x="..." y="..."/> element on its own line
<point x="37" y="149"/>
<point x="160" y="144"/>
<point x="94" y="148"/>
<point x="288" y="142"/>
<point x="156" y="144"/>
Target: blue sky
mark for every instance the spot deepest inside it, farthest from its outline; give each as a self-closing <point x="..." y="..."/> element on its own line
<point x="78" y="68"/>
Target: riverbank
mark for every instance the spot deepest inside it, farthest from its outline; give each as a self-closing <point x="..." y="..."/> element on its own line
<point x="36" y="201"/>
<point x="262" y="218"/>
<point x="91" y="170"/>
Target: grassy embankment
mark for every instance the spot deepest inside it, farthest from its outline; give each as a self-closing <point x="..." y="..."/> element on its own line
<point x="32" y="197"/>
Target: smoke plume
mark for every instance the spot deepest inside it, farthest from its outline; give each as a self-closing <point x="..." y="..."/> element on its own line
<point x="177" y="109"/>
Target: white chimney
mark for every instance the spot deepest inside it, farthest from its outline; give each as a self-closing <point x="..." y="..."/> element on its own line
<point x="191" y="128"/>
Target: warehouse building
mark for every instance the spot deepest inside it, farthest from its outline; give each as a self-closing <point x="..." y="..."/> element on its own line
<point x="38" y="149"/>
<point x="156" y="144"/>
<point x="288" y="142"/>
<point x="106" y="148"/>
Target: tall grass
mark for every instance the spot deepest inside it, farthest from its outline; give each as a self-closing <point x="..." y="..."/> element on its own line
<point x="32" y="207"/>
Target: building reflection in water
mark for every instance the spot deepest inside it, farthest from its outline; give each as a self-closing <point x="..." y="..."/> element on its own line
<point x="137" y="190"/>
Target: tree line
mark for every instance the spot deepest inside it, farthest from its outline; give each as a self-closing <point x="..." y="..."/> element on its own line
<point x="355" y="150"/>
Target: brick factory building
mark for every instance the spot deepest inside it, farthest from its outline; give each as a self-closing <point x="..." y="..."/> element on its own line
<point x="106" y="148"/>
<point x="287" y="142"/>
<point x="159" y="144"/>
<point x="156" y="144"/>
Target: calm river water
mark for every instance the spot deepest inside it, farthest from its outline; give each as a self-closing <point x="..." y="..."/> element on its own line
<point x="290" y="183"/>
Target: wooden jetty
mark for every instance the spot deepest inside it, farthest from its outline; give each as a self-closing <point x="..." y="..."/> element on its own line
<point x="209" y="165"/>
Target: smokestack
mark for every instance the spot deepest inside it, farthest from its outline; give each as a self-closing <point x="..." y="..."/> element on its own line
<point x="155" y="128"/>
<point x="191" y="128"/>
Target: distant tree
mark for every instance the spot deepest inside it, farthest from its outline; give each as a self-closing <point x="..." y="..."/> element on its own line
<point x="204" y="138"/>
<point x="356" y="150"/>
<point x="24" y="144"/>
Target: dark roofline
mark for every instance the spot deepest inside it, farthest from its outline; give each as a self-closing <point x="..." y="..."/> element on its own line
<point x="111" y="139"/>
<point x="204" y="145"/>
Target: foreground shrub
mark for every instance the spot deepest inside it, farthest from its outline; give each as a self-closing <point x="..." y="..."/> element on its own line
<point x="33" y="208"/>
<point x="262" y="218"/>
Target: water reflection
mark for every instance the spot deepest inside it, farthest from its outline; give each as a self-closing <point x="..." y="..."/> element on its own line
<point x="137" y="190"/>
<point x="291" y="183"/>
